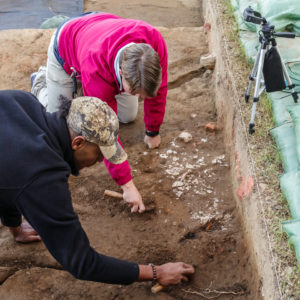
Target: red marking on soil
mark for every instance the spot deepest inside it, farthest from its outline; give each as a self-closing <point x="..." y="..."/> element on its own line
<point x="237" y="166"/>
<point x="207" y="26"/>
<point x="245" y="188"/>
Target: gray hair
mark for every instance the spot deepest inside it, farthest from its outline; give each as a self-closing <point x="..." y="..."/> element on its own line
<point x="141" y="68"/>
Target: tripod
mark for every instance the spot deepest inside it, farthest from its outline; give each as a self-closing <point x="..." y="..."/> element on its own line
<point x="266" y="38"/>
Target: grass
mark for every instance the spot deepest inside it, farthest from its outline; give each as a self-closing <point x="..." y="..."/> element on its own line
<point x="268" y="164"/>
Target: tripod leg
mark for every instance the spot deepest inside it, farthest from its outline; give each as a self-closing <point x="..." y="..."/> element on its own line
<point x="252" y="75"/>
<point x="291" y="86"/>
<point x="257" y="88"/>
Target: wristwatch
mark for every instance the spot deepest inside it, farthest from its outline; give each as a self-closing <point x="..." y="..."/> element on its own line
<point x="151" y="133"/>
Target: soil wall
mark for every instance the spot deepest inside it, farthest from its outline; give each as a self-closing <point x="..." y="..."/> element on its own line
<point x="247" y="192"/>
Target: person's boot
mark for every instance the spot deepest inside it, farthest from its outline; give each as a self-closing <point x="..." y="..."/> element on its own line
<point x="39" y="85"/>
<point x="32" y="78"/>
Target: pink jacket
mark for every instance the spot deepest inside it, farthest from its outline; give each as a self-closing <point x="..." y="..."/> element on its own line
<point x="90" y="43"/>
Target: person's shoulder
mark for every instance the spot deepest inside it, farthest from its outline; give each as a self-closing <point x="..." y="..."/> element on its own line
<point x="15" y="93"/>
<point x="11" y="97"/>
<point x="100" y="16"/>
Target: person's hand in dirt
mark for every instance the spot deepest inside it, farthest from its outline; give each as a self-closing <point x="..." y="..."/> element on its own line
<point x="25" y="233"/>
<point x="167" y="274"/>
<point x="152" y="142"/>
<point x="132" y="197"/>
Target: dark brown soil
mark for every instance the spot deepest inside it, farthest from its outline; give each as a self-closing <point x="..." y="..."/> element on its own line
<point x="191" y="214"/>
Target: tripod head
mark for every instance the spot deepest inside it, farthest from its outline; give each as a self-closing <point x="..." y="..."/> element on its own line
<point x="253" y="16"/>
<point x="267" y="30"/>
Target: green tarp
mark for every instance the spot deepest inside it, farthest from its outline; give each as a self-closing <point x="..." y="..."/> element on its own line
<point x="292" y="229"/>
<point x="290" y="187"/>
<point x="279" y="105"/>
<point x="294" y="111"/>
<point x="285" y="16"/>
<point x="284" y="137"/>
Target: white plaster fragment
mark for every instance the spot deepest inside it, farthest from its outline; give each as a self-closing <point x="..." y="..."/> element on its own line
<point x="177" y="184"/>
<point x="173" y="144"/>
<point x="178" y="194"/>
<point x="189" y="166"/>
<point x="173" y="171"/>
<point x="185" y="136"/>
<point x="195" y="181"/>
<point x="171" y="151"/>
<point x="219" y="159"/>
<point x="200" y="161"/>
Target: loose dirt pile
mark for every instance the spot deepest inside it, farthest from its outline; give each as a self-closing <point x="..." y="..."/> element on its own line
<point x="186" y="186"/>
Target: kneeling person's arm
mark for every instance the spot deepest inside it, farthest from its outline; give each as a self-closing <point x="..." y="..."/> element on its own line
<point x="47" y="205"/>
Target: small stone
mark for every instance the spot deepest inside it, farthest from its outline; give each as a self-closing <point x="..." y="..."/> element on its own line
<point x="208" y="61"/>
<point x="289" y="271"/>
<point x="277" y="207"/>
<point x="212" y="126"/>
<point x="185" y="136"/>
<point x="263" y="186"/>
<point x="193" y="116"/>
<point x="207" y="73"/>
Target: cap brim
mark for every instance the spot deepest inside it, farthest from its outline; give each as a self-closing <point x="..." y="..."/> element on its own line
<point x="114" y="153"/>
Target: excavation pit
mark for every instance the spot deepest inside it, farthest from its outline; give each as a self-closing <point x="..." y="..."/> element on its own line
<point x="188" y="184"/>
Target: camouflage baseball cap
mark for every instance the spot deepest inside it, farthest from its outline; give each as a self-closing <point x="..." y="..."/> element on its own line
<point x="98" y="123"/>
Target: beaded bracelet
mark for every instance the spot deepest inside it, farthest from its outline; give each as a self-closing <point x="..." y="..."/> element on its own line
<point x="154" y="272"/>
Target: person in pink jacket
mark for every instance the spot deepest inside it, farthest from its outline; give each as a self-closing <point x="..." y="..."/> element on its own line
<point x="118" y="61"/>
